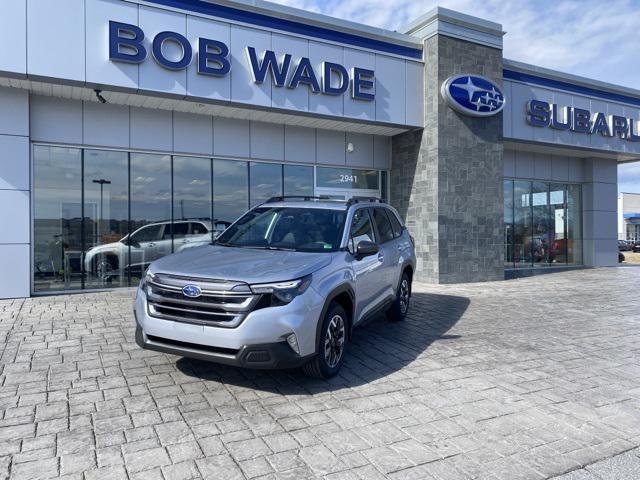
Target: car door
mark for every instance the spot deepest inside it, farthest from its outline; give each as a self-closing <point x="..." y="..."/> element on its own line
<point x="143" y="245"/>
<point x="401" y="244"/>
<point x="390" y="254"/>
<point x="367" y="271"/>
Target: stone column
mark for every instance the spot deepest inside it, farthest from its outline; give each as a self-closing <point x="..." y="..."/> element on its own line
<point x="599" y="204"/>
<point x="446" y="180"/>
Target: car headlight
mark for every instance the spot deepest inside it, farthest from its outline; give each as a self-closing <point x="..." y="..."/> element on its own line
<point x="283" y="293"/>
<point x="148" y="277"/>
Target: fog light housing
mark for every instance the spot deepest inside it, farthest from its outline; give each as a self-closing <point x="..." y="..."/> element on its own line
<point x="293" y="343"/>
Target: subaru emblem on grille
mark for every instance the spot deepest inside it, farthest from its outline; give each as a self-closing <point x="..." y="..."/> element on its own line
<point x="192" y="291"/>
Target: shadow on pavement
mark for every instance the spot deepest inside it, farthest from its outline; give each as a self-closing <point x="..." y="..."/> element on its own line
<point x="377" y="349"/>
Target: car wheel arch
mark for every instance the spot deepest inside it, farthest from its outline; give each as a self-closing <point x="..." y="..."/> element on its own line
<point x="345" y="296"/>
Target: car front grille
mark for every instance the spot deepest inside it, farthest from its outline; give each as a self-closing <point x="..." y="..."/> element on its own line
<point x="222" y="303"/>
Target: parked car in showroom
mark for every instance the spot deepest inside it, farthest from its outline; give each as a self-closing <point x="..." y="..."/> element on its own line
<point x="284" y="286"/>
<point x="136" y="251"/>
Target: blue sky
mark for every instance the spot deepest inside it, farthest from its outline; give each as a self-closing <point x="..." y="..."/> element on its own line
<point x="596" y="39"/>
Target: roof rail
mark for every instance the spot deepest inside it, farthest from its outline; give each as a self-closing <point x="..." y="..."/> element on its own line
<point x="353" y="200"/>
<point x="305" y="198"/>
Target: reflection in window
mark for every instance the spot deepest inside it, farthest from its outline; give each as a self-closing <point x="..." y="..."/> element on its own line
<point x="150" y="211"/>
<point x="106" y="213"/>
<point x="230" y="190"/>
<point x="191" y="200"/>
<point x="508" y="223"/>
<point x="57" y="225"/>
<point x="545" y="221"/>
<point x="522" y="223"/>
<point x="265" y="182"/>
<point x="298" y="180"/>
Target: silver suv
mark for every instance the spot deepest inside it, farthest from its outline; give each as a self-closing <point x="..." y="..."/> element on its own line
<point x="284" y="286"/>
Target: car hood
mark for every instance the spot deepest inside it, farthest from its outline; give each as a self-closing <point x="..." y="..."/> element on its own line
<point x="241" y="264"/>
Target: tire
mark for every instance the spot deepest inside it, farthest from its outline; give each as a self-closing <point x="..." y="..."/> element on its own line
<point x="400" y="307"/>
<point x="331" y="346"/>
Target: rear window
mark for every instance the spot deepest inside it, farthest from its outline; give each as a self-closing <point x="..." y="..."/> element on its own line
<point x="383" y="225"/>
<point x="395" y="223"/>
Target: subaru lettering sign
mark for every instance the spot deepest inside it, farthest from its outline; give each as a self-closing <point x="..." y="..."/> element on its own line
<point x="127" y="44"/>
<point x="191" y="291"/>
<point x="473" y="95"/>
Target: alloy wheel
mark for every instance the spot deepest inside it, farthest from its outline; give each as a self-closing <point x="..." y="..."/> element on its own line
<point x="334" y="341"/>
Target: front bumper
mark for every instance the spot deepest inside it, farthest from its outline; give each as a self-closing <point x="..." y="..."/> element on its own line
<point x="268" y="355"/>
<point x="263" y="331"/>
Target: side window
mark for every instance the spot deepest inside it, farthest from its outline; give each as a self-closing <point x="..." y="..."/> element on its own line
<point x="395" y="223"/>
<point x="150" y="233"/>
<point x="383" y="225"/>
<point x="180" y="230"/>
<point x="198" y="229"/>
<point x="361" y="229"/>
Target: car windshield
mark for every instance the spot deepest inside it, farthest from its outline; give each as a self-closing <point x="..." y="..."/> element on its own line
<point x="287" y="228"/>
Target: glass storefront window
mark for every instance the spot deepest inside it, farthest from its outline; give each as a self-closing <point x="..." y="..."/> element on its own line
<point x="347" y="178"/>
<point x="230" y="190"/>
<point x="57" y="224"/>
<point x="191" y="201"/>
<point x="102" y="216"/>
<point x="106" y="213"/>
<point x="265" y="182"/>
<point x="150" y="220"/>
<point x="298" y="180"/>
<point x="508" y="223"/>
<point x="542" y="224"/>
<point x="522" y="216"/>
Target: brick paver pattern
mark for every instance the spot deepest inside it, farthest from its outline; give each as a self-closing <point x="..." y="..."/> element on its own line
<point x="521" y="379"/>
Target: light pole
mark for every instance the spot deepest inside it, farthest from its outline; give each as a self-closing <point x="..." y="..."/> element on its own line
<point x="102" y="182"/>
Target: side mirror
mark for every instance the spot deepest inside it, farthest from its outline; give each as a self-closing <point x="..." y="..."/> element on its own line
<point x="366" y="248"/>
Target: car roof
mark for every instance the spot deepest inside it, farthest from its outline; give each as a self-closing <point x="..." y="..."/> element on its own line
<point x="322" y="204"/>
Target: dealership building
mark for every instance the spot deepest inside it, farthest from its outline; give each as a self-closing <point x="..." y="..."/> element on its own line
<point x="130" y="129"/>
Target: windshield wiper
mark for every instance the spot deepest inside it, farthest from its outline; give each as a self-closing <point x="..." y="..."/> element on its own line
<point x="269" y="247"/>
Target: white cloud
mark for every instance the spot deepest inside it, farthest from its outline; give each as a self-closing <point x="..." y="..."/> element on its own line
<point x="591" y="38"/>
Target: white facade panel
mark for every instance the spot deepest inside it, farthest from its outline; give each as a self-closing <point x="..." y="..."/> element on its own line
<point x="267" y="141"/>
<point x="62" y="56"/>
<point x="13" y="36"/>
<point x="18" y="216"/>
<point x="353" y="107"/>
<point x="56" y="120"/>
<point x="414" y="106"/>
<point x="525" y="165"/>
<point x="559" y="168"/>
<point x="15" y="275"/>
<point x="100" y="70"/>
<point x="14" y="111"/>
<point x="152" y="75"/>
<point x="283" y="97"/>
<point x="299" y="144"/>
<point x="390" y="101"/>
<point x="106" y="125"/>
<point x="243" y="89"/>
<point x="319" y="103"/>
<point x="330" y="147"/>
<point x="192" y="133"/>
<point x="207" y="86"/>
<point x="14" y="162"/>
<point x="151" y="129"/>
<point x="362" y="154"/>
<point x="231" y="137"/>
<point x="509" y="161"/>
<point x="542" y="166"/>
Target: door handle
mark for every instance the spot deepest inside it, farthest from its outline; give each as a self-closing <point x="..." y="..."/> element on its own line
<point x="381" y="256"/>
<point x="152" y="244"/>
<point x="400" y="248"/>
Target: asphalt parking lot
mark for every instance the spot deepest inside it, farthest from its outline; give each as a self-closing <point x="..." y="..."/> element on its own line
<point x="522" y="379"/>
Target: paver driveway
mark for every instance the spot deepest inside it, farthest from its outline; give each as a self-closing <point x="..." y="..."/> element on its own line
<point x="526" y="378"/>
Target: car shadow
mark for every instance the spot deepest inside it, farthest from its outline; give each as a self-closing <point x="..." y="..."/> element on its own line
<point x="377" y="349"/>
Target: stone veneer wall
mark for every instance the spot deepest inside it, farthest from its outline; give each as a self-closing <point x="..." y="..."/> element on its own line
<point x="446" y="180"/>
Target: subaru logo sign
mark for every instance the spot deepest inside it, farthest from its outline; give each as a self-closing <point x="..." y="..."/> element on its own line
<point x="473" y="95"/>
<point x="192" y="291"/>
